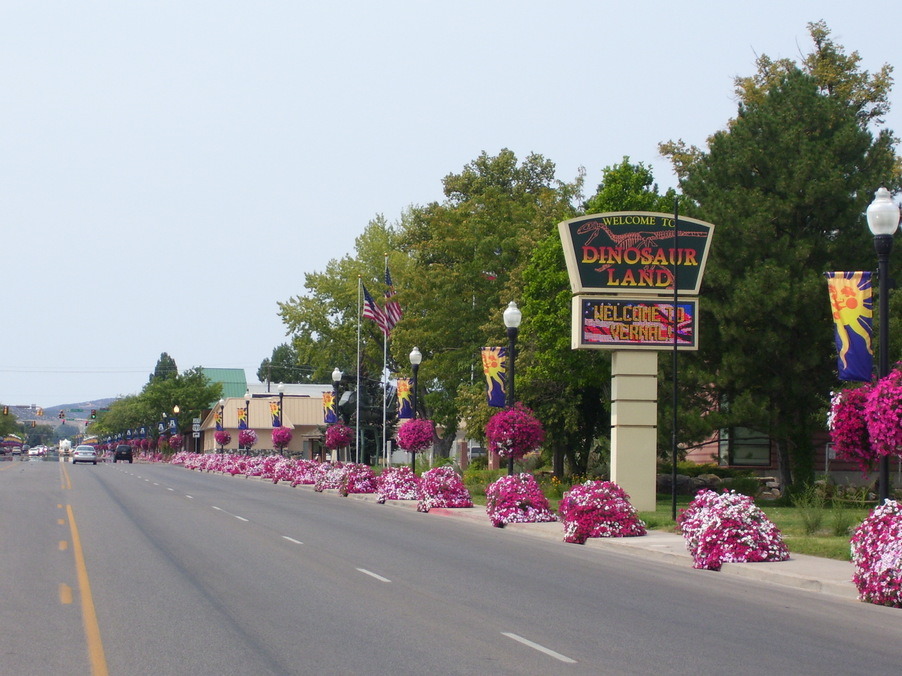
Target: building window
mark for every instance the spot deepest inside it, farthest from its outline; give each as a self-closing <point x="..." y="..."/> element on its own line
<point x="744" y="447"/>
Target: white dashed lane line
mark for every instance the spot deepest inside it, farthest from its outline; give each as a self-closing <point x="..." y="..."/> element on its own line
<point x="540" y="648"/>
<point x="372" y="574"/>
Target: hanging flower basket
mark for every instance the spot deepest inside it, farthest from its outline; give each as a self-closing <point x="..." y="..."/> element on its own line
<point x="416" y="435"/>
<point x="517" y="499"/>
<point x="849" y="429"/>
<point x="281" y="437"/>
<point x="247" y="438"/>
<point x="222" y="438"/>
<point x="176" y="441"/>
<point x="883" y="414"/>
<point x="338" y="436"/>
<point x="514" y="432"/>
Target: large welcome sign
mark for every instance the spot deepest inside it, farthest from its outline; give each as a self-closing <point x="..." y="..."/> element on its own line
<point x="635" y="253"/>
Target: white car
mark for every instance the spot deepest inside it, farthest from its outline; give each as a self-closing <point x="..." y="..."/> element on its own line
<point x="84" y="454"/>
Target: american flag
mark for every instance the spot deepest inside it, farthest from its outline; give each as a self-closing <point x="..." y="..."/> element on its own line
<point x="393" y="311"/>
<point x="374" y="312"/>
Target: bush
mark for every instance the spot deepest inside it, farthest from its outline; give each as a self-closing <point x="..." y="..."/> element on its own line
<point x="598" y="509"/>
<point x="728" y="528"/>
<point x="877" y="556"/>
<point x="517" y="499"/>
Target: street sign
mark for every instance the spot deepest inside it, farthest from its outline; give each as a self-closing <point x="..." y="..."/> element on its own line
<point x="196" y="435"/>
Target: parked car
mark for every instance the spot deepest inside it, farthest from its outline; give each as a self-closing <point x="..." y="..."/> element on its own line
<point x="123" y="452"/>
<point x="84" y="453"/>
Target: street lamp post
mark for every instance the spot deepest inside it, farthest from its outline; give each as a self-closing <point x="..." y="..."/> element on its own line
<point x="222" y="422"/>
<point x="416" y="357"/>
<point x="281" y="389"/>
<point x="512" y="318"/>
<point x="336" y="381"/>
<point x="883" y="221"/>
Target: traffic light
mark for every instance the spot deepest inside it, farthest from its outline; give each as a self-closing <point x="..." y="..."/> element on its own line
<point x="93" y="414"/>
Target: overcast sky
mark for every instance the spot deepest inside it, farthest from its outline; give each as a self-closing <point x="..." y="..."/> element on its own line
<point x="172" y="169"/>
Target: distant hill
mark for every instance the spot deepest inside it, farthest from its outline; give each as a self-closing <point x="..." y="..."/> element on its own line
<point x="79" y="411"/>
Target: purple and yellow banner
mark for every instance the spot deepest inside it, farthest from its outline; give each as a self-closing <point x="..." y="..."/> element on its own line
<point x="276" y="412"/>
<point x="494" y="366"/>
<point x="852" y="306"/>
<point x="242" y="418"/>
<point x="405" y="398"/>
<point x="330" y="415"/>
<point x="218" y="419"/>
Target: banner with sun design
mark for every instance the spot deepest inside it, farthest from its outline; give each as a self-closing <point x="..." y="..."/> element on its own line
<point x="218" y="418"/>
<point x="329" y="415"/>
<point x="852" y="306"/>
<point x="242" y="418"/>
<point x="494" y="366"/>
<point x="275" y="411"/>
<point x="405" y="398"/>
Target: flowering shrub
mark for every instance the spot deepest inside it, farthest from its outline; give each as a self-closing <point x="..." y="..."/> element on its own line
<point x="517" y="499"/>
<point x="415" y="435"/>
<point x="877" y="556"/>
<point x="598" y="509"/>
<point x="514" y="432"/>
<point x="442" y="487"/>
<point x="729" y="528"/>
<point x="338" y="436"/>
<point x="848" y="428"/>
<point x="329" y="476"/>
<point x="247" y="438"/>
<point x="281" y="437"/>
<point x="359" y="478"/>
<point x="223" y="438"/>
<point x="397" y="483"/>
<point x="883" y="414"/>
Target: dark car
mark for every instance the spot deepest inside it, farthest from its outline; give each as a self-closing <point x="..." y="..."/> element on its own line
<point x="122" y="452"/>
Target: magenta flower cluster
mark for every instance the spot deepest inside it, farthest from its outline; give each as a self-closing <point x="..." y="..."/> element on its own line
<point x="246" y="438"/>
<point x="338" y="436"/>
<point x="877" y="556"/>
<point x="729" y="527"/>
<point x="397" y="483"/>
<point x="866" y="422"/>
<point x="848" y="428"/>
<point x="514" y="432"/>
<point x="176" y="441"/>
<point x="598" y="509"/>
<point x="415" y="435"/>
<point x="281" y="437"/>
<point x="517" y="499"/>
<point x="442" y="487"/>
<point x="223" y="438"/>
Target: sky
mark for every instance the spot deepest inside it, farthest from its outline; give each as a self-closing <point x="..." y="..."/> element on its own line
<point x="172" y="169"/>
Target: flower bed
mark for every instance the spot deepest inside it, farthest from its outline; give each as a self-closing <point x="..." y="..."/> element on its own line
<point x="598" y="509"/>
<point x="397" y="483"/>
<point x="877" y="556"/>
<point x="729" y="528"/>
<point x="517" y="499"/>
<point x="442" y="487"/>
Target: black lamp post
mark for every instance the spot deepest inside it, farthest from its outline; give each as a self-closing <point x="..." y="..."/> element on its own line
<point x="512" y="318"/>
<point x="281" y="389"/>
<point x="336" y="381"/>
<point x="883" y="221"/>
<point x="222" y="421"/>
<point x="416" y="357"/>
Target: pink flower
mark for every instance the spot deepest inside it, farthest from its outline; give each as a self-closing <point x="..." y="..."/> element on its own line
<point x="246" y="438"/>
<point x="848" y="428"/>
<point x="883" y="414"/>
<point x="442" y="487"/>
<point x="517" y="499"/>
<point x="877" y="556"/>
<point x="514" y="432"/>
<point x="415" y="435"/>
<point x="338" y="436"/>
<point x="223" y="438"/>
<point x="598" y="509"/>
<point x="281" y="437"/>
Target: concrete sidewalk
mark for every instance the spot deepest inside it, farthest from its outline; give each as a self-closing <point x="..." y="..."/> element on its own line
<point x="812" y="573"/>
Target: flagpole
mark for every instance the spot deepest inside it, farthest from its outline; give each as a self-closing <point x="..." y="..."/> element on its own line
<point x="384" y="374"/>
<point x="357" y="394"/>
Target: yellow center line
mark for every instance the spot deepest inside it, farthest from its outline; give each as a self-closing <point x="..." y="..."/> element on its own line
<point x="64" y="474"/>
<point x="65" y="594"/>
<point x="88" y="614"/>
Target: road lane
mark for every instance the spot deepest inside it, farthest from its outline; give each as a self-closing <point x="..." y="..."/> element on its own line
<point x="281" y="580"/>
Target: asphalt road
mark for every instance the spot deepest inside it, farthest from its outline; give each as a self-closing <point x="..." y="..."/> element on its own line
<point x="153" y="569"/>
